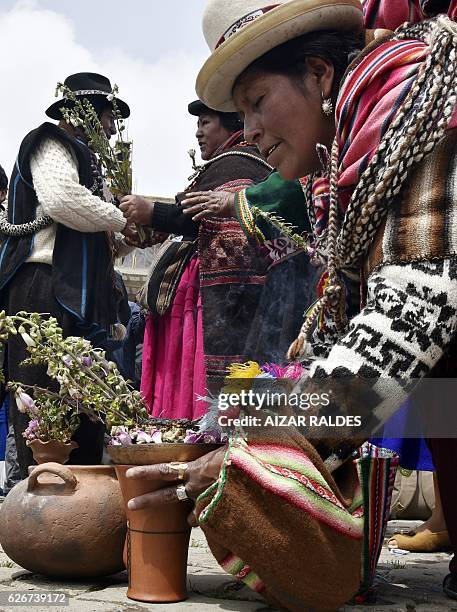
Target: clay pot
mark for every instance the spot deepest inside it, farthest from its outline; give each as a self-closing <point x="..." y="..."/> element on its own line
<point x="66" y="521"/>
<point x="54" y="450"/>
<point x="147" y="454"/>
<point x="157" y="538"/>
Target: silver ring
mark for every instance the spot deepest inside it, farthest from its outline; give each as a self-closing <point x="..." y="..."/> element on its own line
<point x="203" y="206"/>
<point x="181" y="493"/>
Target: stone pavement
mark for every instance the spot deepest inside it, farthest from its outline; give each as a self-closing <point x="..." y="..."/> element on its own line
<point x="408" y="583"/>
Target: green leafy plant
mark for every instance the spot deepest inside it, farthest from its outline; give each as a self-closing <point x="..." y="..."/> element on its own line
<point x="283" y="226"/>
<point x="116" y="160"/>
<point x="87" y="382"/>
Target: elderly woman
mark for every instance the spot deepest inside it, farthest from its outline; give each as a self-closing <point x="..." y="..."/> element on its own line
<point x="284" y="68"/>
<point x="200" y="277"/>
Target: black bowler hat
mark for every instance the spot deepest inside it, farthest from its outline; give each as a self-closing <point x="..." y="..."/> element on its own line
<point x="197" y="107"/>
<point x="91" y="86"/>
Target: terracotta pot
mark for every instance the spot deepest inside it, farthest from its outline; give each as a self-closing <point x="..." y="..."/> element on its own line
<point x="157" y="538"/>
<point x="52" y="451"/>
<point x="66" y="521"/>
<point x="146" y="454"/>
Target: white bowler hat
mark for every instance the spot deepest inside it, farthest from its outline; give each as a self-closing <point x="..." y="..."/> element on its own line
<point x="240" y="31"/>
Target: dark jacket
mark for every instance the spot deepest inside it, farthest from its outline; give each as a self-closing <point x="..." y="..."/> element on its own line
<point x="221" y="170"/>
<point x="82" y="267"/>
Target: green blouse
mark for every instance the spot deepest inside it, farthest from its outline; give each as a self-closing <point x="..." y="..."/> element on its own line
<point x="274" y="195"/>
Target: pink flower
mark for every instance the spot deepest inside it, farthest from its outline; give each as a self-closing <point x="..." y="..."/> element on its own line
<point x="120" y="436"/>
<point x="33" y="430"/>
<point x="143" y="438"/>
<point x="25" y="403"/>
<point x="293" y="371"/>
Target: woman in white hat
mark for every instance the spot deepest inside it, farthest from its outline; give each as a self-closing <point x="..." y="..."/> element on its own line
<point x="383" y="209"/>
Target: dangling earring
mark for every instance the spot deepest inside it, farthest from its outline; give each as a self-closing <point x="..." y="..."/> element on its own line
<point x="327" y="106"/>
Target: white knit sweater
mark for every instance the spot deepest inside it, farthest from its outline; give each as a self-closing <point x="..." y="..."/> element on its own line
<point x="56" y="181"/>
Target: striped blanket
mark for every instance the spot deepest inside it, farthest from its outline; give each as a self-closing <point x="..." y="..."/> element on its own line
<point x="279" y="521"/>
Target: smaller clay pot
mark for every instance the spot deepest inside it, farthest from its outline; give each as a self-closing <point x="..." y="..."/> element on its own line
<point x="53" y="451"/>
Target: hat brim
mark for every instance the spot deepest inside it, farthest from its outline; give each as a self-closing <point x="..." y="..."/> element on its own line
<point x="54" y="110"/>
<point x="217" y="77"/>
<point x="197" y="107"/>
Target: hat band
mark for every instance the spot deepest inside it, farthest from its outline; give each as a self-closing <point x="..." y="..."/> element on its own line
<point x="244" y="21"/>
<point x="90" y="92"/>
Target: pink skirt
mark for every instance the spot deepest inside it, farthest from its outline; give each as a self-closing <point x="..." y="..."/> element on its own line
<point x="173" y="372"/>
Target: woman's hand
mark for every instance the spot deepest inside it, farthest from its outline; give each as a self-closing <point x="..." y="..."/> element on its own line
<point x="197" y="477"/>
<point x="204" y="204"/>
<point x="137" y="209"/>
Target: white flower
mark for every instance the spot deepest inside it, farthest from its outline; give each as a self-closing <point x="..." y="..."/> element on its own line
<point x="28" y="339"/>
<point x="143" y="438"/>
<point x="110" y="97"/>
<point x="157" y="437"/>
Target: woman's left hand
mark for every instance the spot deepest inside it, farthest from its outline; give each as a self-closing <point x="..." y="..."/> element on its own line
<point x="204" y="204"/>
<point x="198" y="476"/>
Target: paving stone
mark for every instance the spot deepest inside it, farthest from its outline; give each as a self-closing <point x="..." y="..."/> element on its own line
<point x="404" y="583"/>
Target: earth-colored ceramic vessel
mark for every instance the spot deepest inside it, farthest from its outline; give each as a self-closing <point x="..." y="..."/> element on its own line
<point x="157" y="538"/>
<point x="53" y="450"/>
<point x="146" y="454"/>
<point x="66" y="521"/>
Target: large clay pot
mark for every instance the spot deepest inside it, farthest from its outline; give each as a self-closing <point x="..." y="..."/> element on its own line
<point x="157" y="538"/>
<point x="65" y="521"/>
<point x="51" y="451"/>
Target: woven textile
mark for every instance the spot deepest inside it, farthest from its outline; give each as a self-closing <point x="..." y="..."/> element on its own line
<point x="376" y="468"/>
<point x="277" y="521"/>
<point x="423" y="223"/>
<point x="369" y="100"/>
<point x="391" y="13"/>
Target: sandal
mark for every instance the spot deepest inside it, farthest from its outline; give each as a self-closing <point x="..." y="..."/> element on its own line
<point x="450" y="586"/>
<point x="422" y="542"/>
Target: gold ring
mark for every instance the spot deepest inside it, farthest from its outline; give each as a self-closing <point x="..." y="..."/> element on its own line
<point x="179" y="467"/>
